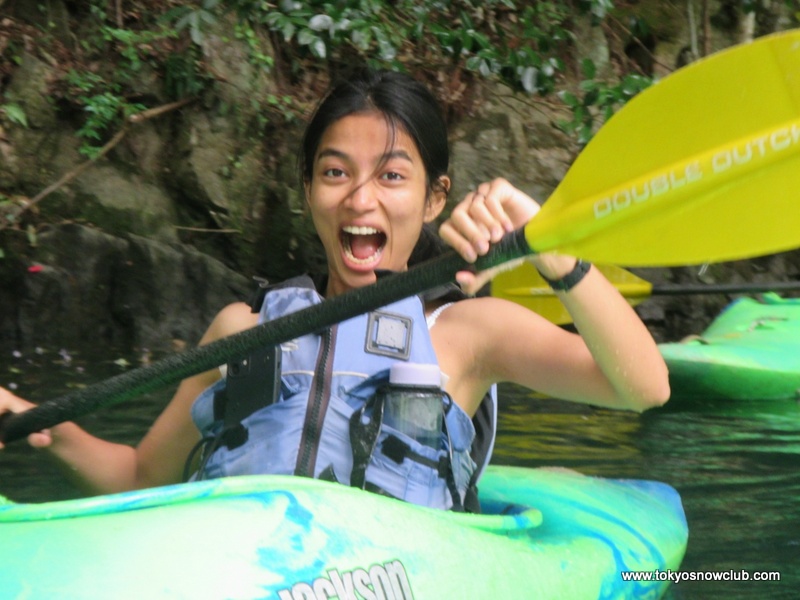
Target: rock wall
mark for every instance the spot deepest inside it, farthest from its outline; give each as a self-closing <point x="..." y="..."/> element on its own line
<point x="85" y="287"/>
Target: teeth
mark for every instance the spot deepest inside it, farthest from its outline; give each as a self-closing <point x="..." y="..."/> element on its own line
<point x="352" y="230"/>
<point x="363" y="261"/>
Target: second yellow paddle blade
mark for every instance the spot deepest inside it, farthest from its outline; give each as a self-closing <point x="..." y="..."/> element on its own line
<point x="523" y="285"/>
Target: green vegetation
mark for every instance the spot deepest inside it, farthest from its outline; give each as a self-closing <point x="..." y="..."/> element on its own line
<point x="14" y="113"/>
<point x="598" y="98"/>
<point x="524" y="45"/>
<point x="105" y="107"/>
<point x="455" y="44"/>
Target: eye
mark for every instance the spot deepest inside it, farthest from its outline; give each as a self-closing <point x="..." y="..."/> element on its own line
<point x="392" y="176"/>
<point x="333" y="172"/>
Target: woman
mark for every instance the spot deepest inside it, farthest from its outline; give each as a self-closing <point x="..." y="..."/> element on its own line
<point x="374" y="168"/>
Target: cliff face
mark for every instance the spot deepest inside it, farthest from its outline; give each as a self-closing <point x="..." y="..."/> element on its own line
<point x="189" y="200"/>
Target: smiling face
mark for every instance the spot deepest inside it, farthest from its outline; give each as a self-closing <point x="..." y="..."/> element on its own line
<point x="367" y="197"/>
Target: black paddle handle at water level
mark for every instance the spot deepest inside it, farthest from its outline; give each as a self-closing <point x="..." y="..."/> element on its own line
<point x="436" y="272"/>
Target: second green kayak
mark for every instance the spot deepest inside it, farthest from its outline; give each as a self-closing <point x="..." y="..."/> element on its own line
<point x="750" y="351"/>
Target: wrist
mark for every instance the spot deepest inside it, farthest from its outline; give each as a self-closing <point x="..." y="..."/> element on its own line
<point x="571" y="279"/>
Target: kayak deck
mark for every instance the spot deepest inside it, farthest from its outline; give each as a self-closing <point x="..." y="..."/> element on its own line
<point x="291" y="539"/>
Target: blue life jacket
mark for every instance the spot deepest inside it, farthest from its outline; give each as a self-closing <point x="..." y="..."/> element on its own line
<point x="327" y="421"/>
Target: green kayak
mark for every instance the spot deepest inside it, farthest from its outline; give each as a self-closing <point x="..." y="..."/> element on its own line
<point x="750" y="351"/>
<point x="545" y="534"/>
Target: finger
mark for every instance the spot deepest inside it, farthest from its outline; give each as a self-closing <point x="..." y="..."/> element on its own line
<point x="518" y="207"/>
<point x="465" y="237"/>
<point x="468" y="282"/>
<point x="459" y="243"/>
<point x="40" y="439"/>
<point x="496" y="214"/>
<point x="472" y="285"/>
<point x="472" y="282"/>
<point x="495" y="195"/>
<point x="468" y="222"/>
<point x="486" y="221"/>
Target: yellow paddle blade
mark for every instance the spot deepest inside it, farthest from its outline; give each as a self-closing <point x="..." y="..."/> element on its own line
<point x="703" y="166"/>
<point x="524" y="286"/>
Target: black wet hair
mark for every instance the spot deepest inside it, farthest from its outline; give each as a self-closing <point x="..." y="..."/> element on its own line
<point x="401" y="99"/>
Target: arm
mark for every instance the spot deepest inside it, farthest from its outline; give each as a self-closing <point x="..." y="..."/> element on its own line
<point x="613" y="362"/>
<point x="98" y="466"/>
<point x="92" y="464"/>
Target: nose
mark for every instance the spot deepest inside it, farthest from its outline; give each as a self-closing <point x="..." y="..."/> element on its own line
<point x="363" y="197"/>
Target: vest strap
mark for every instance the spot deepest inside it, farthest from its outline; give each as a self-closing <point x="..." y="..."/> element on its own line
<point x="397" y="450"/>
<point x="363" y="438"/>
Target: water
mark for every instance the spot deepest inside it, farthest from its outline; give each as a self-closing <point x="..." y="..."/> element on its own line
<point x="28" y="475"/>
<point x="736" y="465"/>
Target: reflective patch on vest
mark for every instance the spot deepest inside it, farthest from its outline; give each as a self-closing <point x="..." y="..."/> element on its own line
<point x="389" y="334"/>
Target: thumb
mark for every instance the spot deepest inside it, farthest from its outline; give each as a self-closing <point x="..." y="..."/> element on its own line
<point x="40" y="439"/>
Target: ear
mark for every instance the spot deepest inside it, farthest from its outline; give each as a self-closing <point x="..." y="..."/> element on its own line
<point x="435" y="204"/>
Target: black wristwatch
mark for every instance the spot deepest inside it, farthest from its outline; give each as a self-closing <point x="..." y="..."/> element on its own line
<point x="571" y="279"/>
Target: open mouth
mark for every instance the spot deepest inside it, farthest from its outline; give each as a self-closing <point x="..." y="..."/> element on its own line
<point x="362" y="245"/>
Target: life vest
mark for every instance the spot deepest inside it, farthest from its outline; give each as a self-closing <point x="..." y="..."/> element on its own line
<point x="327" y="422"/>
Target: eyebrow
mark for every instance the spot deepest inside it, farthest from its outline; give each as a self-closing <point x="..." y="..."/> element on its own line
<point x="387" y="156"/>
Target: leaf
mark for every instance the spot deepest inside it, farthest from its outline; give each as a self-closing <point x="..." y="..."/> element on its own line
<point x="585" y="134"/>
<point x="208" y="18"/>
<point x="15" y="114"/>
<point x="591" y="97"/>
<point x="196" y="35"/>
<point x="306" y="37"/>
<point x="320" y="23"/>
<point x="473" y="63"/>
<point x="568" y="98"/>
<point x="528" y="79"/>
<point x="361" y="38"/>
<point x="318" y="48"/>
<point x="30" y="232"/>
<point x="388" y="52"/>
<point x="482" y="40"/>
<point x="588" y="68"/>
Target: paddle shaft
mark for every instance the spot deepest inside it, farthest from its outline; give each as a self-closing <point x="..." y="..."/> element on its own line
<point x="172" y="369"/>
<point x="525" y="287"/>
<point x="724" y="288"/>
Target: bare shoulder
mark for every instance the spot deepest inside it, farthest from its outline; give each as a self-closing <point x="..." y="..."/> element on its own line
<point x="163" y="449"/>
<point x="232" y="319"/>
